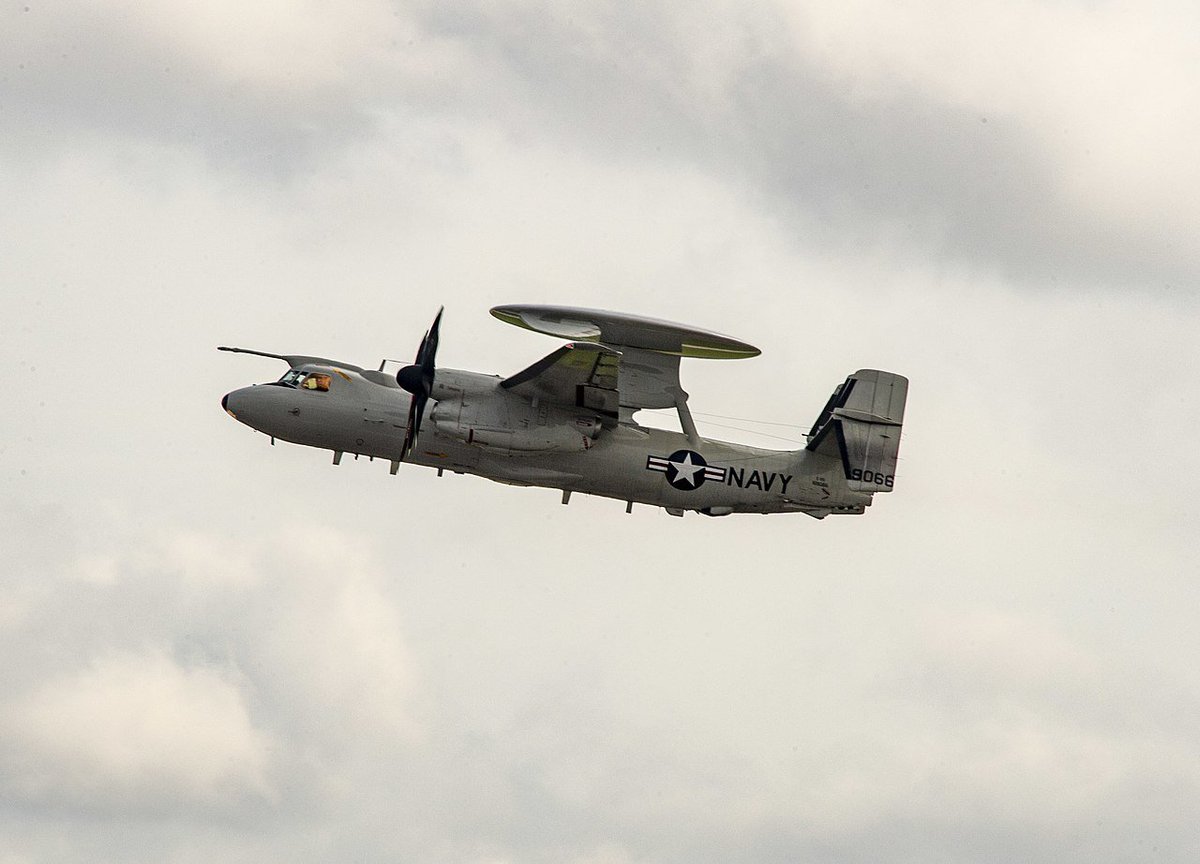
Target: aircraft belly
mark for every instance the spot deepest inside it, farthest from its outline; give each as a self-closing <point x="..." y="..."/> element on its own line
<point x="627" y="466"/>
<point x="435" y="450"/>
<point x="322" y="420"/>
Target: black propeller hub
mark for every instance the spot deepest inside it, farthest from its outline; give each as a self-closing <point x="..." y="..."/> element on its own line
<point x="411" y="379"/>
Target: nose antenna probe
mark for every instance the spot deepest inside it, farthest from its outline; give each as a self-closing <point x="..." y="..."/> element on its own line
<point x="294" y="360"/>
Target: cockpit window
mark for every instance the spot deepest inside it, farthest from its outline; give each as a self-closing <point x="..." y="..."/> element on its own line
<point x="306" y="380"/>
<point x="315" y="381"/>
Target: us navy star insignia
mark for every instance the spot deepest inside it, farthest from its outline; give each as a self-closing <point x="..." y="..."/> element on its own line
<point x="685" y="469"/>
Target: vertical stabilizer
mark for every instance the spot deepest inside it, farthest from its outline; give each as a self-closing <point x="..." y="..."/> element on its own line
<point x="860" y="426"/>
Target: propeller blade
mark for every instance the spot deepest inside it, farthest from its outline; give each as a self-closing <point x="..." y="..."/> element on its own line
<point x="416" y="410"/>
<point x="417" y="379"/>
<point x="428" y="352"/>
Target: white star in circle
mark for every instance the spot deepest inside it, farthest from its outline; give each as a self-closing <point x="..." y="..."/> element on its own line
<point x="687" y="470"/>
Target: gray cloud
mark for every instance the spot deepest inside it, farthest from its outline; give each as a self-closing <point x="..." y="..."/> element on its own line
<point x="115" y="72"/>
<point x="904" y="167"/>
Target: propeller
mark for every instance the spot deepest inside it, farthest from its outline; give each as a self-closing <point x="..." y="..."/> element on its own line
<point x="417" y="379"/>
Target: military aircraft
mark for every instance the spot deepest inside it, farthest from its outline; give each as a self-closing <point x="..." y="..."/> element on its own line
<point x="567" y="422"/>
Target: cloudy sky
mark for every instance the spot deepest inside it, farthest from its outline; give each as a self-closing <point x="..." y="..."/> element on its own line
<point x="215" y="650"/>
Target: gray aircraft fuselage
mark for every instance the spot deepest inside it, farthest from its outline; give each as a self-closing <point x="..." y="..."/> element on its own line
<point x="472" y="425"/>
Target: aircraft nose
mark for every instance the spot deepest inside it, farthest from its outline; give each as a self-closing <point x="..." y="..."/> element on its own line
<point x="246" y="405"/>
<point x="233" y="403"/>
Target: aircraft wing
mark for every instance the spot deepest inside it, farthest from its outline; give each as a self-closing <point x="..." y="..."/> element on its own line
<point x="582" y="374"/>
<point x="649" y="349"/>
<point x="649" y="380"/>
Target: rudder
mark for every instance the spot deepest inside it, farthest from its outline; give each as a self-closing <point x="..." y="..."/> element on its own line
<point x="860" y="426"/>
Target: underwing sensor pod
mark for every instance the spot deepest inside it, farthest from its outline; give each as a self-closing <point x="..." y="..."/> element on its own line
<point x="568" y="421"/>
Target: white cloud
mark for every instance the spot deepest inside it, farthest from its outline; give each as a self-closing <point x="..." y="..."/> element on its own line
<point x="1104" y="90"/>
<point x="134" y="732"/>
<point x="338" y="641"/>
<point x="993" y="650"/>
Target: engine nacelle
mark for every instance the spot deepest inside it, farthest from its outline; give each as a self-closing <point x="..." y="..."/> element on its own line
<point x="515" y="427"/>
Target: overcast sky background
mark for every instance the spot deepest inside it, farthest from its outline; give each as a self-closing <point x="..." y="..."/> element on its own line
<point x="215" y="650"/>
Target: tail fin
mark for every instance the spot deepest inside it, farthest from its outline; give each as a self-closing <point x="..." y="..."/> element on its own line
<point x="860" y="426"/>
